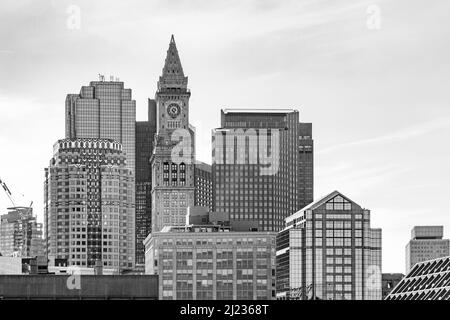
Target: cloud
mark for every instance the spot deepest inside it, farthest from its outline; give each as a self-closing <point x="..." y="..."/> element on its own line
<point x="405" y="134"/>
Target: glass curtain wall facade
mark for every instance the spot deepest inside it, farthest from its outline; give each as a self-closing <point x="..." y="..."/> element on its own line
<point x="329" y="252"/>
<point x="103" y="110"/>
<point x="145" y="134"/>
<point x="203" y="185"/>
<point x="257" y="172"/>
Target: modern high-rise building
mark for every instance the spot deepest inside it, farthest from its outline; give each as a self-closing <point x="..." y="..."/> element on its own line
<point x="426" y="243"/>
<point x="20" y="233"/>
<point x="207" y="260"/>
<point x="203" y="185"/>
<point x="262" y="166"/>
<point x="89" y="204"/>
<point x="329" y="252"/>
<point x="306" y="165"/>
<point x="427" y="280"/>
<point x="389" y="281"/>
<point x="145" y="133"/>
<point x="172" y="161"/>
<point x="103" y="110"/>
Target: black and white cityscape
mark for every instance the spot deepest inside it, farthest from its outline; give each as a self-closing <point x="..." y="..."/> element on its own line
<point x="224" y="150"/>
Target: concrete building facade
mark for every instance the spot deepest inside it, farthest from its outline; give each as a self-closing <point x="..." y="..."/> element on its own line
<point x="426" y="243"/>
<point x="210" y="261"/>
<point x="83" y="287"/>
<point x="89" y="204"/>
<point x="173" y="157"/>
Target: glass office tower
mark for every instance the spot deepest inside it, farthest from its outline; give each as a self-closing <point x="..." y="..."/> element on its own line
<point x="103" y="110"/>
<point x="329" y="252"/>
<point x="145" y="134"/>
<point x="262" y="166"/>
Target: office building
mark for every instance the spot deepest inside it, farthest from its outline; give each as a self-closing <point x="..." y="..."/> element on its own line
<point x="145" y="133"/>
<point x="173" y="157"/>
<point x="426" y="243"/>
<point x="427" y="280"/>
<point x="89" y="204"/>
<point x="20" y="233"/>
<point x="262" y="166"/>
<point x="306" y="165"/>
<point x="389" y="281"/>
<point x="203" y="185"/>
<point x="209" y="261"/>
<point x="329" y="252"/>
<point x="103" y="110"/>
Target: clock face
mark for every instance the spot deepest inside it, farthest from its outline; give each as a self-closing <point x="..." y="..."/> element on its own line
<point x="173" y="110"/>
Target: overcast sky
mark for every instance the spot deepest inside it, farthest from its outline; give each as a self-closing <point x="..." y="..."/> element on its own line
<point x="372" y="77"/>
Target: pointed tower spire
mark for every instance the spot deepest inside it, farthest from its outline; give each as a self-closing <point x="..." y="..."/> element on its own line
<point x="172" y="73"/>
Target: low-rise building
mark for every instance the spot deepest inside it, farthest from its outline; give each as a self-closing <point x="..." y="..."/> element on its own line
<point x="389" y="281"/>
<point x="209" y="260"/>
<point x="427" y="280"/>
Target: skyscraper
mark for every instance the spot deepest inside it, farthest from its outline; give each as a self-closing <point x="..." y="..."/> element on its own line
<point x="89" y="204"/>
<point x="306" y="165"/>
<point x="20" y="233"/>
<point x="145" y="133"/>
<point x="329" y="252"/>
<point x="203" y="185"/>
<point x="103" y="110"/>
<point x="426" y="244"/>
<point x="262" y="166"/>
<point x="172" y="161"/>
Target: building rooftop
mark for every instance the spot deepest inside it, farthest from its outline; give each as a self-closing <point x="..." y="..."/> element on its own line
<point x="427" y="232"/>
<point x="268" y="110"/>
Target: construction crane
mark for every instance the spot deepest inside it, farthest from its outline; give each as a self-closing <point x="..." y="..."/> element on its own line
<point x="10" y="197"/>
<point x="8" y="192"/>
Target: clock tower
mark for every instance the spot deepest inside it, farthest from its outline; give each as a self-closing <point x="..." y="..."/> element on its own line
<point x="172" y="161"/>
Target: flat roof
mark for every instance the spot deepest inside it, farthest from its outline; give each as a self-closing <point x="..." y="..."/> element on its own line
<point x="268" y="110"/>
